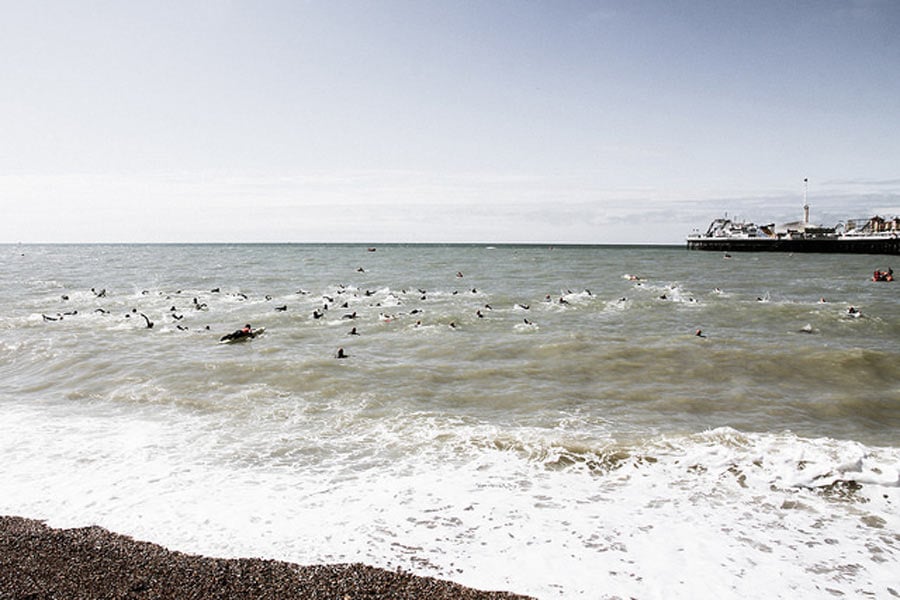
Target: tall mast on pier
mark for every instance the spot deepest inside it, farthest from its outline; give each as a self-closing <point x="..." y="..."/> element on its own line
<point x="805" y="203"/>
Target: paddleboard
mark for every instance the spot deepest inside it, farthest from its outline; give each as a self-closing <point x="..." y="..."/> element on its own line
<point x="244" y="338"/>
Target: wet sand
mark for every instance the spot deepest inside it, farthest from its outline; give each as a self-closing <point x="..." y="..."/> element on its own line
<point x="38" y="562"/>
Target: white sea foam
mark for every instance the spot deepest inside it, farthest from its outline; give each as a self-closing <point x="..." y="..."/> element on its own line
<point x="536" y="511"/>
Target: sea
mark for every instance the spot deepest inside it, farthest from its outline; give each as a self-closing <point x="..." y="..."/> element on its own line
<point x="556" y="421"/>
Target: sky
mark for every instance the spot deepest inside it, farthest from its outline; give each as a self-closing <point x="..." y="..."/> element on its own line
<point x="528" y="121"/>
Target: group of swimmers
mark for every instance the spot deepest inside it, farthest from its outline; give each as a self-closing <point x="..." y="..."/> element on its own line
<point x="247" y="332"/>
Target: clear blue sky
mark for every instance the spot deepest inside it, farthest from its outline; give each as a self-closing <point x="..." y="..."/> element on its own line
<point x="453" y="121"/>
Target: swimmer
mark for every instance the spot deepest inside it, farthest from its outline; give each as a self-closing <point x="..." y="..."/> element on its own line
<point x="353" y="332"/>
<point x="281" y="308"/>
<point x="699" y="333"/>
<point x="340" y="354"/>
<point x="316" y="314"/>
<point x="245" y="331"/>
<point x="147" y="319"/>
<point x="350" y="316"/>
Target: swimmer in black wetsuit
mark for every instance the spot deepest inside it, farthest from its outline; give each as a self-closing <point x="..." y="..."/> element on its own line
<point x="245" y="332"/>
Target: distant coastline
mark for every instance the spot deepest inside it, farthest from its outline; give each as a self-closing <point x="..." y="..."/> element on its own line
<point x="365" y="245"/>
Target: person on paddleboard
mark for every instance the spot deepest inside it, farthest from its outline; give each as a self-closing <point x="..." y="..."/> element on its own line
<point x="245" y="331"/>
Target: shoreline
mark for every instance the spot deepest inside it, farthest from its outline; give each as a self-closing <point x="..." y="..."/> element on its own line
<point x="37" y="561"/>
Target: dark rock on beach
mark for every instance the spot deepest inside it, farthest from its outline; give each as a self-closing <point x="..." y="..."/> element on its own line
<point x="38" y="562"/>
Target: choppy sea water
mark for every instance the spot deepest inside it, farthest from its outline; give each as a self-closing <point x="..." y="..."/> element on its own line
<point x="568" y="436"/>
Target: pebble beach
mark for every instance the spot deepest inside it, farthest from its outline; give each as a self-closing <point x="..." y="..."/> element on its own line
<point x="38" y="562"/>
